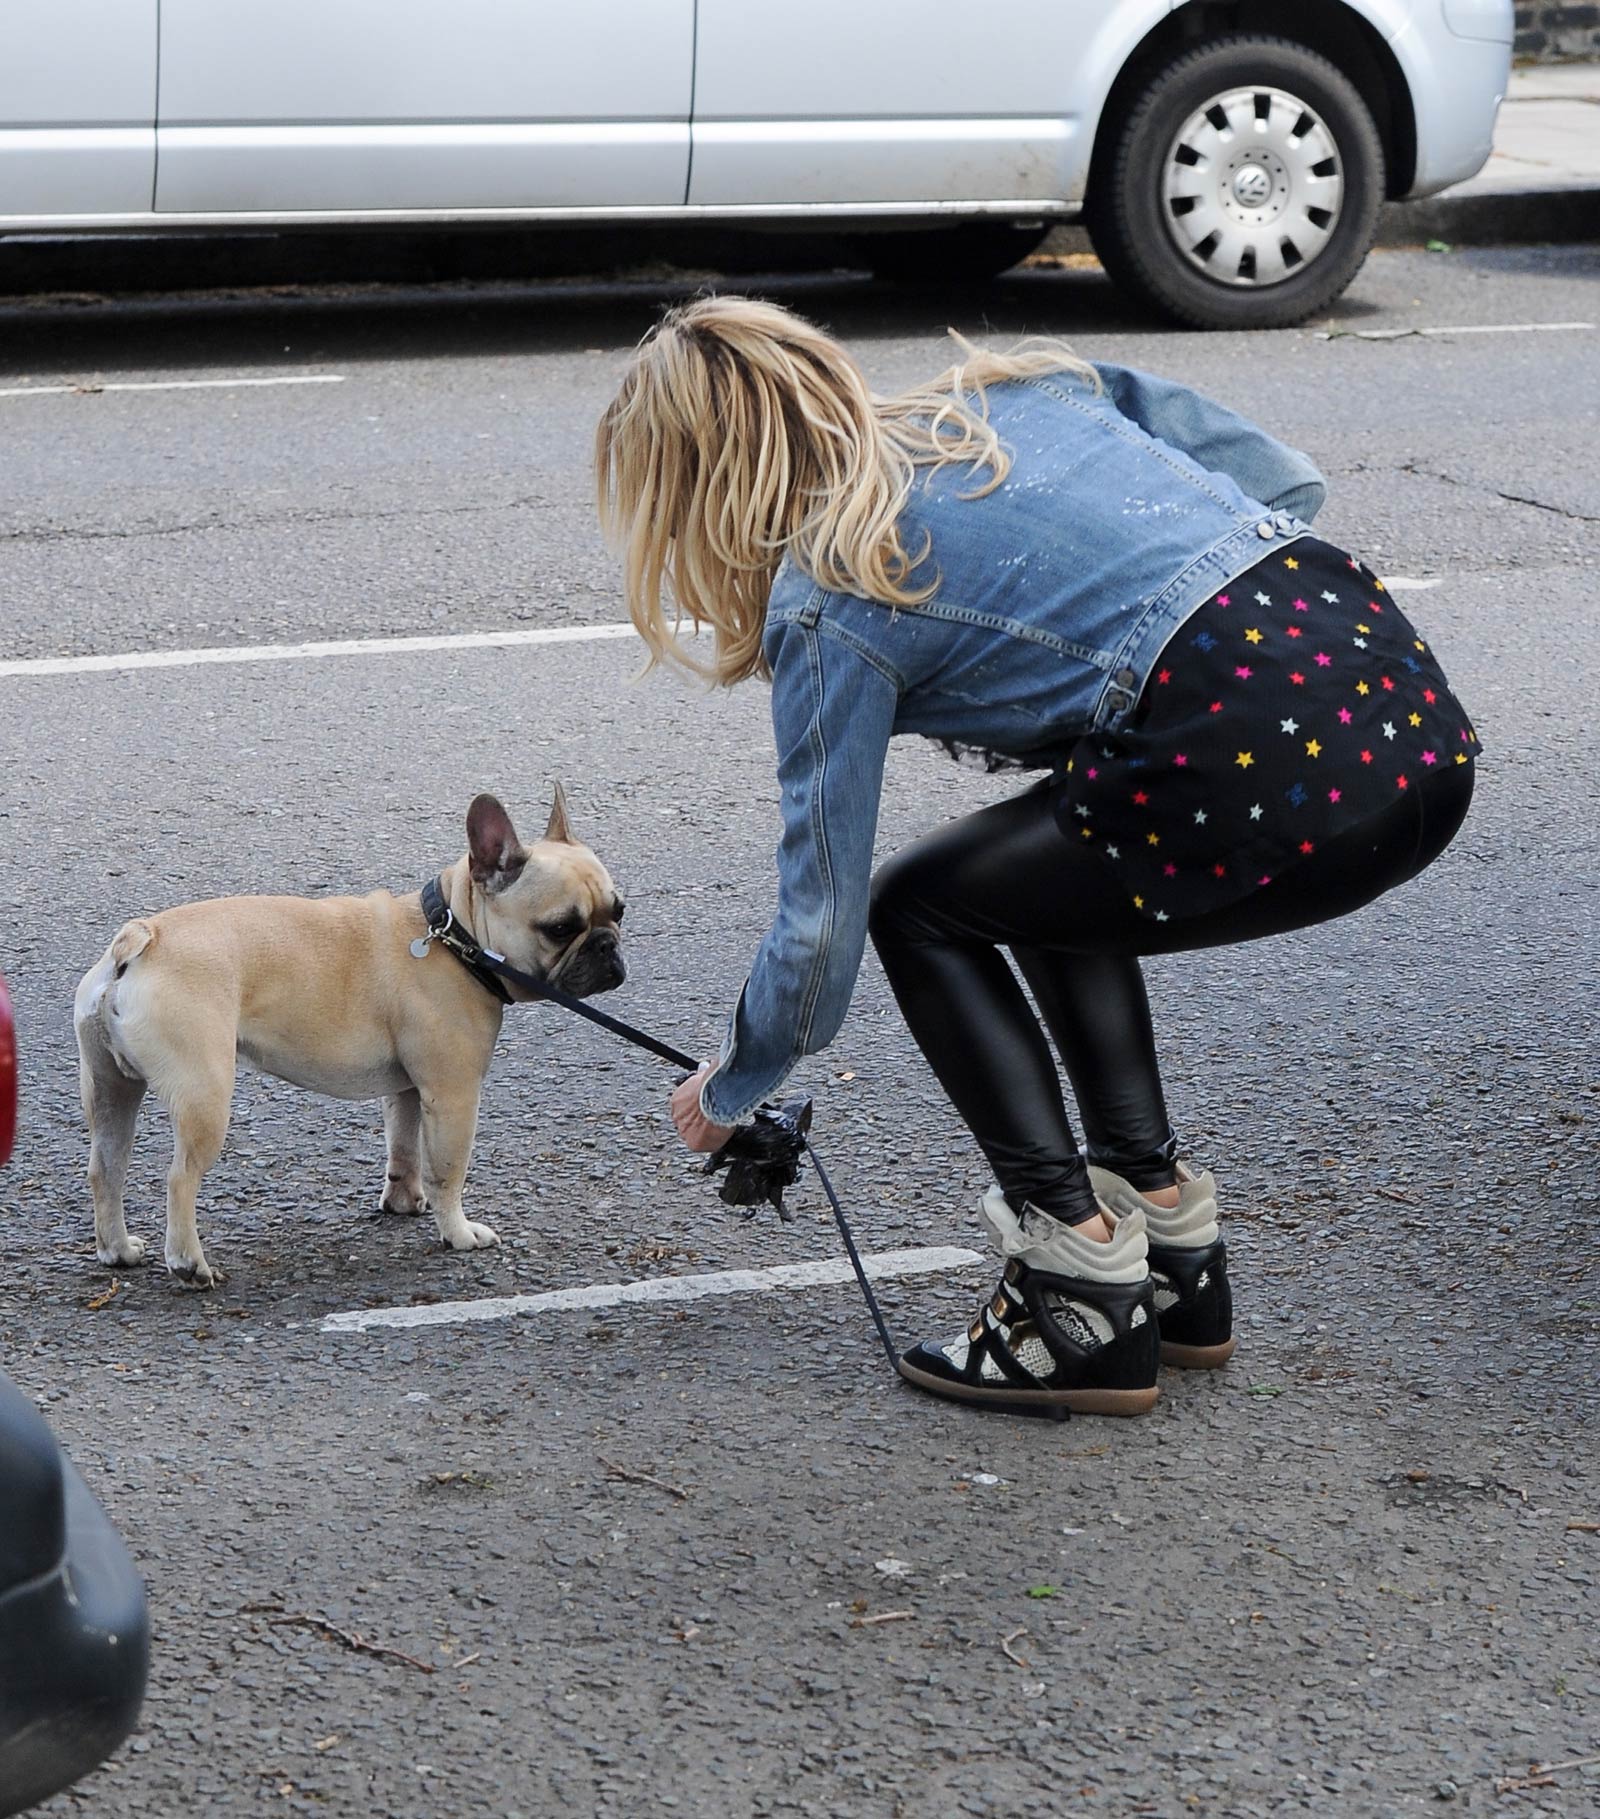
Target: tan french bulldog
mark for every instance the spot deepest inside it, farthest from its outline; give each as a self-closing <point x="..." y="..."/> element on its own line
<point x="338" y="995"/>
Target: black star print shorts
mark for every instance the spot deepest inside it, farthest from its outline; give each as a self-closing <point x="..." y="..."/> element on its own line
<point x="1293" y="705"/>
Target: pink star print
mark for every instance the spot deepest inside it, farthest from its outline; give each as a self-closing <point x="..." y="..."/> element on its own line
<point x="1264" y="881"/>
<point x="1333" y="795"/>
<point x="1373" y="607"/>
<point x="1169" y="871"/>
<point x="1223" y="600"/>
<point x="1091" y="773"/>
<point x="1294" y="631"/>
<point x="1243" y="672"/>
<point x="1430" y="757"/>
<point x="1165" y="676"/>
<point x="1216" y="707"/>
<point x="1429" y="696"/>
<point x="1345" y="716"/>
<point x="1181" y="758"/>
<point x="1401" y="782"/>
<point x="1296" y="677"/>
<point x="1323" y="660"/>
<point x="1388" y="685"/>
<point x="1301" y="607"/>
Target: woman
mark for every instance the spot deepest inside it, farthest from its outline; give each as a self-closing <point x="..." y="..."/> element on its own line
<point x="1071" y="568"/>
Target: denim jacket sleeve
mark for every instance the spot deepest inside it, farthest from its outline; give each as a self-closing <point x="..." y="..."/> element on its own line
<point x="1283" y="479"/>
<point x="833" y="710"/>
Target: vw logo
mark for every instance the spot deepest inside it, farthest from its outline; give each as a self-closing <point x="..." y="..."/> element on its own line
<point x="1252" y="186"/>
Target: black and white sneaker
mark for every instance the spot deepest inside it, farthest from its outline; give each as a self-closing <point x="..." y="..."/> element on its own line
<point x="1188" y="1266"/>
<point x="1071" y="1328"/>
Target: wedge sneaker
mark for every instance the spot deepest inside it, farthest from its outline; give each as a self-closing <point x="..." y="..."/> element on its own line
<point x="1070" y="1329"/>
<point x="1188" y="1266"/>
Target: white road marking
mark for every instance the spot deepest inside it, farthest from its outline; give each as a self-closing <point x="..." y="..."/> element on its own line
<point x="1401" y="584"/>
<point x="879" y="1266"/>
<point x="94" y="387"/>
<point x="327" y="647"/>
<point x="1471" y="328"/>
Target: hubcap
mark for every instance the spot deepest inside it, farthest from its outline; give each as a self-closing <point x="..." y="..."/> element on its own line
<point x="1252" y="187"/>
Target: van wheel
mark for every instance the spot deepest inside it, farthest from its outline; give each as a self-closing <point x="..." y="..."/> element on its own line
<point x="1242" y="187"/>
<point x="967" y="253"/>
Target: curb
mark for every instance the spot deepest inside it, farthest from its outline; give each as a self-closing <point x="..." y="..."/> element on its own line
<point x="1495" y="217"/>
<point x="95" y="266"/>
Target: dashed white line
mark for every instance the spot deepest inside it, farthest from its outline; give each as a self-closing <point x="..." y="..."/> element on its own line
<point x="327" y="647"/>
<point x="1415" y="584"/>
<point x="92" y="387"/>
<point x="879" y="1265"/>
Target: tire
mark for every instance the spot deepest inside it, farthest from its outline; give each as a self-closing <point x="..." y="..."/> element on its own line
<point x="967" y="253"/>
<point x="1288" y="198"/>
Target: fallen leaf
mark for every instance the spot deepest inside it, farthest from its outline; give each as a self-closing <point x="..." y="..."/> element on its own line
<point x="106" y="1296"/>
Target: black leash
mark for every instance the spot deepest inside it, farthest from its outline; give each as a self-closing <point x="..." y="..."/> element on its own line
<point x="491" y="969"/>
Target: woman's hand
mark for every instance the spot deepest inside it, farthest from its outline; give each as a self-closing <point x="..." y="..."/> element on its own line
<point x="693" y="1125"/>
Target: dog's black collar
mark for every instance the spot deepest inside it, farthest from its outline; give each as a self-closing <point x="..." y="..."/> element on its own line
<point x="448" y="932"/>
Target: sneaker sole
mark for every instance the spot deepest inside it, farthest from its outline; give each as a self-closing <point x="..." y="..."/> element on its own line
<point x="1197" y="1357"/>
<point x="1009" y="1400"/>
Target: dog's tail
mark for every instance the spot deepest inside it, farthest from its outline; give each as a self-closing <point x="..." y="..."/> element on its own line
<point x="129" y="942"/>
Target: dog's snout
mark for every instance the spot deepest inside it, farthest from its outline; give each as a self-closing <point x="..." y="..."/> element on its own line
<point x="597" y="966"/>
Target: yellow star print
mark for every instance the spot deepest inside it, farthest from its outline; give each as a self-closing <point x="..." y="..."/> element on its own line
<point x="1363" y="628"/>
<point x="1252" y="636"/>
<point x="1087" y="834"/>
<point x="1415" y="719"/>
<point x="1154" y="839"/>
<point x="1362" y="689"/>
<point x="1378" y="585"/>
<point x="1313" y="749"/>
<point x="1245" y="760"/>
<point x="1289" y="562"/>
<point x="1138" y="903"/>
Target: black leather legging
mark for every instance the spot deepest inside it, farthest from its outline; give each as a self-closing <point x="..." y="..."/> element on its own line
<point x="1006" y="877"/>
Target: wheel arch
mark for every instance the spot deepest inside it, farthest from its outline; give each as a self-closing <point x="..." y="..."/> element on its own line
<point x="1331" y="27"/>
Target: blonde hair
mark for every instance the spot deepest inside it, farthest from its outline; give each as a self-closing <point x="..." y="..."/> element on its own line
<point x="741" y="432"/>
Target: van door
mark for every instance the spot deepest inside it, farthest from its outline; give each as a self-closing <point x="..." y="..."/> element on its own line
<point x="290" y="106"/>
<point x="77" y="108"/>
<point x="903" y="101"/>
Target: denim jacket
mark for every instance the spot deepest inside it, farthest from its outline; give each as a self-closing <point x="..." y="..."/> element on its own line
<point x="1122" y="514"/>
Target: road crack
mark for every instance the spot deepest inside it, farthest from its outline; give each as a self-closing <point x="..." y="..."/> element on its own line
<point x="267" y="522"/>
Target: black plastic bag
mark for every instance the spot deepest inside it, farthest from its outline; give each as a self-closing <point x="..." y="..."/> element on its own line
<point x="763" y="1157"/>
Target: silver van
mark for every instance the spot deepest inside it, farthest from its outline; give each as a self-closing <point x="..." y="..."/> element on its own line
<point x="1228" y="156"/>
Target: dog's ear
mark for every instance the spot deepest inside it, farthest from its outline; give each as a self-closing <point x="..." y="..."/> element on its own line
<point x="495" y="853"/>
<point x="560" y="827"/>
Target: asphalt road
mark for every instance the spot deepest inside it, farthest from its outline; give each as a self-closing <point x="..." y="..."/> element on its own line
<point x="642" y="1549"/>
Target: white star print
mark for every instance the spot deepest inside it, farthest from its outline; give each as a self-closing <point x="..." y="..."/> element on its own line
<point x="1359" y="643"/>
<point x="1161" y="915"/>
<point x="1199" y="817"/>
<point x="1114" y="852"/>
<point x="1263" y="599"/>
<point x="1081" y="810"/>
<point x="1255" y="812"/>
<point x="1290" y="726"/>
<point x="1388" y="729"/>
<point x="1330" y="598"/>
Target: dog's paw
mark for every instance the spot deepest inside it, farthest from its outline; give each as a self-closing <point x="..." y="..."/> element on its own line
<point x="470" y="1237"/>
<point x="124" y="1254"/>
<point x="404" y="1197"/>
<point x="194" y="1272"/>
